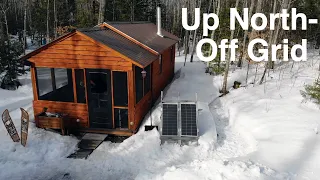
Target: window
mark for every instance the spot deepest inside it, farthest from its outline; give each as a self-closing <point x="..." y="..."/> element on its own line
<point x="44" y="81"/>
<point x="120" y="88"/>
<point x="160" y="64"/>
<point x="55" y="84"/>
<point x="61" y="77"/>
<point x="143" y="85"/>
<point x="80" y="86"/>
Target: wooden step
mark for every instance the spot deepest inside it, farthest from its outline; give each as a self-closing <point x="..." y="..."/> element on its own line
<point x="81" y="154"/>
<point x="89" y="142"/>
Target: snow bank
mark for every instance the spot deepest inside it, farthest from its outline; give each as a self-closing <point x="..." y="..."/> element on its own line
<point x="265" y="132"/>
<point x="281" y="130"/>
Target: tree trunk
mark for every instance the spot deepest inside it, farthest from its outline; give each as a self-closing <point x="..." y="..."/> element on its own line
<point x="6" y="23"/>
<point x="273" y="38"/>
<point x="226" y="72"/>
<point x="246" y="35"/>
<point x="102" y="4"/>
<point x="113" y="10"/>
<point x="48" y="35"/>
<point x="25" y="26"/>
<point x="55" y="19"/>
<point x="213" y="32"/>
<point x="194" y="39"/>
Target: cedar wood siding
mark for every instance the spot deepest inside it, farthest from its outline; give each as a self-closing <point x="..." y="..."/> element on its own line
<point x="76" y="52"/>
<point x="159" y="82"/>
<point x="80" y="52"/>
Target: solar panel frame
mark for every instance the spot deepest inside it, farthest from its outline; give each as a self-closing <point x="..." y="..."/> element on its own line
<point x="182" y="125"/>
<point x="163" y="121"/>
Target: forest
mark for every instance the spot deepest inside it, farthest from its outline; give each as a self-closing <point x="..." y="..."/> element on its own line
<point x="44" y="20"/>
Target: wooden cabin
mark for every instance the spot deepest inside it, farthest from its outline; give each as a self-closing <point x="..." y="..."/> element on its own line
<point x="105" y="79"/>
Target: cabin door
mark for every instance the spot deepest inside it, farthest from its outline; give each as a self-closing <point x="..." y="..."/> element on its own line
<point x="99" y="98"/>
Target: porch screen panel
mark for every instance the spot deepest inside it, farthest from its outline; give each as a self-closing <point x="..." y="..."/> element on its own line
<point x="120" y="88"/>
<point x="61" y="76"/>
<point x="44" y="82"/>
<point x="64" y="86"/>
<point x="55" y="84"/>
<point x="121" y="118"/>
<point x="80" y="86"/>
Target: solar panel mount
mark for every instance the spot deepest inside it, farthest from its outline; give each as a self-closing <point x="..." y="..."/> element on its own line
<point x="179" y="121"/>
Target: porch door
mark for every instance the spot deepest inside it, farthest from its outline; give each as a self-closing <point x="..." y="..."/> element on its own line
<point x="99" y="98"/>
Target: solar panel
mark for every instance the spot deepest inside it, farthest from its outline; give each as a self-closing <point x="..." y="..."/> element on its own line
<point x="170" y="119"/>
<point x="189" y="120"/>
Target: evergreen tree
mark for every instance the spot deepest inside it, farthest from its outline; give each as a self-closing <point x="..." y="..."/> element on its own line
<point x="312" y="92"/>
<point x="9" y="64"/>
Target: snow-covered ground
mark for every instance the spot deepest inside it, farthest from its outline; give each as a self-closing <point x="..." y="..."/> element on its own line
<point x="264" y="132"/>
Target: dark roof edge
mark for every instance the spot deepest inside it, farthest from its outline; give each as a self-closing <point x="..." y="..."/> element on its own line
<point x="114" y="29"/>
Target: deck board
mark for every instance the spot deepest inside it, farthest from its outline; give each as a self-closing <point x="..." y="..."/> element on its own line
<point x="87" y="145"/>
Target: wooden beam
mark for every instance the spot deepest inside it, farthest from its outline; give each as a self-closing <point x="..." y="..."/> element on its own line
<point x="86" y="92"/>
<point x="34" y="83"/>
<point x="109" y="131"/>
<point x="78" y="52"/>
<point x="53" y="79"/>
<point x="75" y="97"/>
<point x="131" y="98"/>
<point x="112" y="104"/>
<point x="66" y="105"/>
<point x="120" y="107"/>
<point x="82" y="66"/>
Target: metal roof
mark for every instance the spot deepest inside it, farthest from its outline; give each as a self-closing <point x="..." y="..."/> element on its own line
<point x="146" y="33"/>
<point x="120" y="44"/>
<point x="142" y="32"/>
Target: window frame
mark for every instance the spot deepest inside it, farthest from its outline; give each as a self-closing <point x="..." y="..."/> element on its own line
<point x="71" y="75"/>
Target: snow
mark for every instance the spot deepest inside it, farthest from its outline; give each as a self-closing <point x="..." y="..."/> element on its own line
<point x="264" y="132"/>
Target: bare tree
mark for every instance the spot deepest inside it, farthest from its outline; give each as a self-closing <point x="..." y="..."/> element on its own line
<point x="226" y="72"/>
<point x="273" y="37"/>
<point x="246" y="35"/>
<point x="25" y="26"/>
<point x="102" y="4"/>
<point x="217" y="11"/>
<point x="4" y="7"/>
<point x="55" y="19"/>
<point x="194" y="39"/>
<point x="48" y="13"/>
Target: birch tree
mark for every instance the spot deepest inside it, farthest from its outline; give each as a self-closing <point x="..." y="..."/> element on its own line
<point x="4" y="7"/>
<point x="194" y="39"/>
<point x="213" y="32"/>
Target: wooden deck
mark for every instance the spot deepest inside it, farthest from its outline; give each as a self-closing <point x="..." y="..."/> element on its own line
<point x="117" y="132"/>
